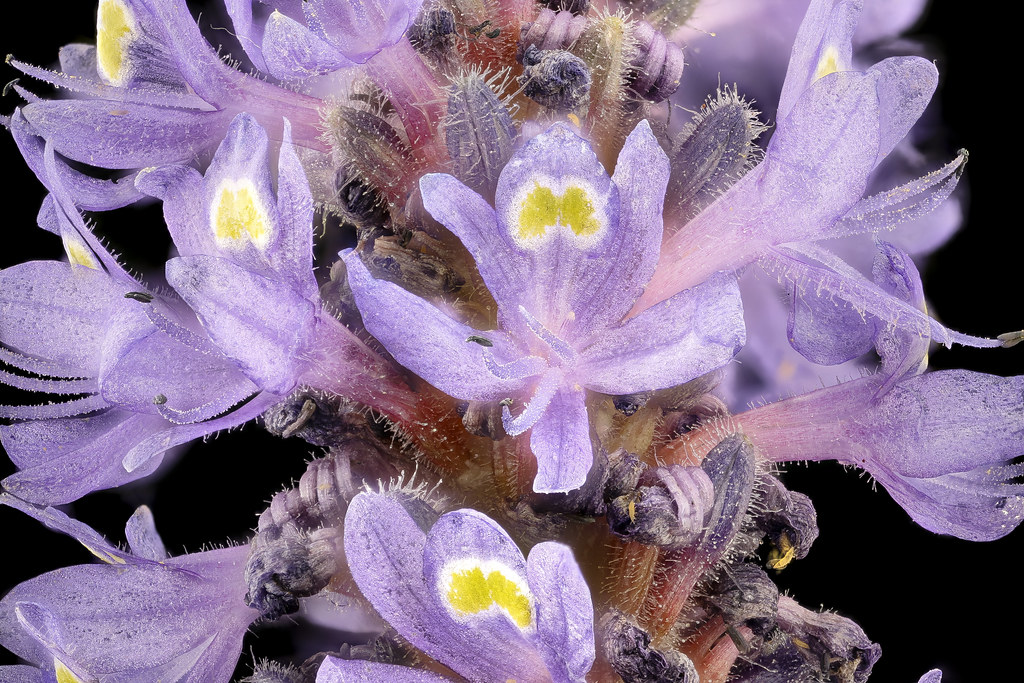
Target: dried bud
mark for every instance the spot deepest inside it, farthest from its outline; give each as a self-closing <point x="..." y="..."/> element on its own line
<point x="812" y="646"/>
<point x="630" y="403"/>
<point x="555" y="79"/>
<point x="280" y="571"/>
<point x="668" y="508"/>
<point x="357" y="202"/>
<point x="579" y="7"/>
<point x="478" y="132"/>
<point x="628" y="649"/>
<point x="712" y="153"/>
<point x="433" y="34"/>
<point x="624" y="471"/>
<point x="308" y="416"/>
<point x="744" y="594"/>
<point x="657" y="65"/>
<point x="789" y="522"/>
<point x="550" y="31"/>
<point x="421" y="273"/>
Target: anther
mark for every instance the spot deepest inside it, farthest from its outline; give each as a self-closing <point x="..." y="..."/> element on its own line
<point x="144" y="297"/>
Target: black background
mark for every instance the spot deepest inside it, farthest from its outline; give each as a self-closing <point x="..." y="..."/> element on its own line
<point x="930" y="601"/>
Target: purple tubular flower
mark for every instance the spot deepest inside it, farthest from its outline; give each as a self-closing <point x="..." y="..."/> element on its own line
<point x="246" y="268"/>
<point x="463" y="593"/>
<point x="152" y="91"/>
<point x="141" y="616"/>
<point x="89" y="328"/>
<point x="947" y="465"/>
<point x="565" y="252"/>
<point x="301" y="39"/>
<point x="835" y="126"/>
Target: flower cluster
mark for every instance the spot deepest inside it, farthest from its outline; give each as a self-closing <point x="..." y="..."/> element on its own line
<point x="466" y="250"/>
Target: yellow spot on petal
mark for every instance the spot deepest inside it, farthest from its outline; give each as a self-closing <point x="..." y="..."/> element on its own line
<point x="64" y="674"/>
<point x="543" y="209"/>
<point x="115" y="30"/>
<point x="237" y="215"/>
<point x="828" y="64"/>
<point x="470" y="590"/>
<point x="575" y="120"/>
<point x="79" y="254"/>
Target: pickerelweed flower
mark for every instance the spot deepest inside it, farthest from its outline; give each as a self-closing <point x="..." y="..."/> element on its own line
<point x="551" y="343"/>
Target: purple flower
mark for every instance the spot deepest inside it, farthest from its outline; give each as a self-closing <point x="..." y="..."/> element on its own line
<point x="939" y="442"/>
<point x="140" y="616"/>
<point x="835" y="125"/>
<point x="88" y="328"/>
<point x="245" y="266"/>
<point x="460" y="590"/>
<point x="301" y="39"/>
<point x="151" y="91"/>
<point x="566" y="252"/>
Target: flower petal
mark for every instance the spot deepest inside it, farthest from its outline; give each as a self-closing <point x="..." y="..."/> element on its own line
<point x="558" y="209"/>
<point x="260" y="323"/>
<point x="560" y="440"/>
<point x="293" y="52"/>
<point x="487" y="612"/>
<point x="334" y="670"/>
<point x="615" y="277"/>
<point x="428" y="342"/>
<point x="565" y="613"/>
<point x="691" y="334"/>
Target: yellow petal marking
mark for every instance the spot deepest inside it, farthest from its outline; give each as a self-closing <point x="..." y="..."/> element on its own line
<point x="115" y="28"/>
<point x="237" y="215"/>
<point x="471" y="591"/>
<point x="542" y="209"/>
<point x="64" y="674"/>
<point x="79" y="254"/>
<point x="828" y="64"/>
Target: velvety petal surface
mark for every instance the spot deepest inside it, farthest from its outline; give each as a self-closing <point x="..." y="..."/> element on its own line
<point x="260" y="323"/>
<point x="560" y="440"/>
<point x="430" y="343"/>
<point x="559" y="210"/>
<point x="692" y="333"/>
<point x="565" y="613"/>
<point x="335" y="670"/>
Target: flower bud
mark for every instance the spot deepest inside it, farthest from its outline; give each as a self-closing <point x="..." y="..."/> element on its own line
<point x="550" y="31"/>
<point x="358" y="202"/>
<point x="668" y="508"/>
<point x="555" y="79"/>
<point x="628" y="649"/>
<point x="657" y="65"/>
<point x="433" y="34"/>
<point x="478" y="132"/>
<point x="744" y="594"/>
<point x="811" y="646"/>
<point x="712" y="153"/>
<point x="281" y="571"/>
